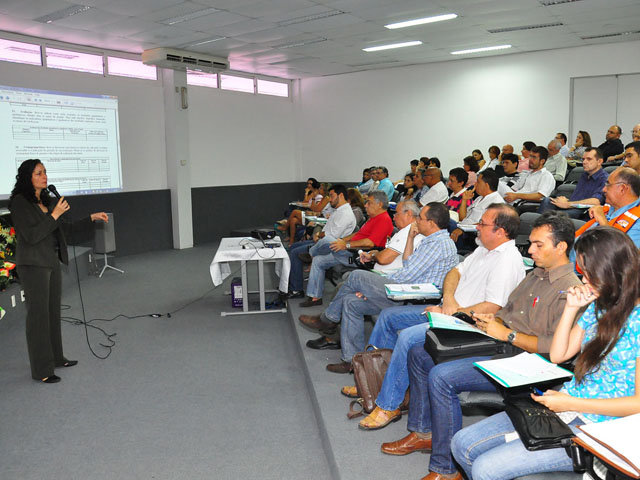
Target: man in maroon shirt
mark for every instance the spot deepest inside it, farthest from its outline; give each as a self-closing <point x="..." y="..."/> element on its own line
<point x="374" y="233"/>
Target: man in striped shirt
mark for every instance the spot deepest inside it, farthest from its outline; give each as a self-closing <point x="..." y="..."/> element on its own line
<point x="364" y="292"/>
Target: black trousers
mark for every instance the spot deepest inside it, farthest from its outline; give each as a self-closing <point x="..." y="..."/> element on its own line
<point x="42" y="290"/>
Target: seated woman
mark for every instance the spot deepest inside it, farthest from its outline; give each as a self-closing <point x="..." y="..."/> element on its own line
<point x="477" y="154"/>
<point x="583" y="141"/>
<point x="356" y="200"/>
<point x="606" y="382"/>
<point x="407" y="188"/>
<point x="458" y="178"/>
<point x="470" y="165"/>
<point x="318" y="200"/>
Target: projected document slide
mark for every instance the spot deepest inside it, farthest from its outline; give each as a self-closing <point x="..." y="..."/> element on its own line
<point x="75" y="136"/>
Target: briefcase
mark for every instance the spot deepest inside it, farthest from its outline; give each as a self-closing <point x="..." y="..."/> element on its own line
<point x="444" y="345"/>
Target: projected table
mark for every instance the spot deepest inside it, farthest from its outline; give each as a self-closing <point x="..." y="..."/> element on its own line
<point x="243" y="250"/>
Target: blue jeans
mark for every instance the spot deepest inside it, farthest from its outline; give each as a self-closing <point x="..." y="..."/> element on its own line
<point x="434" y="405"/>
<point x="320" y="264"/>
<point x="482" y="452"/>
<point x="350" y="309"/>
<point x="399" y="328"/>
<point x="296" y="273"/>
<point x="322" y="247"/>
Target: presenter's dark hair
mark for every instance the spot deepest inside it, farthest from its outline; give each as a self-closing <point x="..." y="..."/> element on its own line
<point x="439" y="214"/>
<point x="339" y="189"/>
<point x="561" y="226"/>
<point x="610" y="262"/>
<point x="24" y="184"/>
<point x="490" y="177"/>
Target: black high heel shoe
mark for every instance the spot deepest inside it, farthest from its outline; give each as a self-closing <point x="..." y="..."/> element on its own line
<point x="51" y="379"/>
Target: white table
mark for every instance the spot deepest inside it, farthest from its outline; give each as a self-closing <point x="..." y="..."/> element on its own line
<point x="243" y="250"/>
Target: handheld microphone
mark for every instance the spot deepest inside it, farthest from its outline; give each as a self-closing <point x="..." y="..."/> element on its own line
<point x="54" y="190"/>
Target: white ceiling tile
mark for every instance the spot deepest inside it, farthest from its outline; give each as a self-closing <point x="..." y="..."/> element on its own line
<point x="268" y="35"/>
<point x="174" y="9"/>
<point x="132" y="7"/>
<point x="125" y="27"/>
<point x="89" y="19"/>
<point x="285" y="15"/>
<point x="210" y="23"/>
<point x="243" y="27"/>
<point x="329" y="22"/>
<point x="270" y="7"/>
<point x="31" y="9"/>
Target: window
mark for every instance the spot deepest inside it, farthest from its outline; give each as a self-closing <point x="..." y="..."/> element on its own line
<point x="125" y="67"/>
<point x="69" y="60"/>
<point x="20" y="52"/>
<point x="273" y="88"/>
<point x="240" y="84"/>
<point x="202" y="79"/>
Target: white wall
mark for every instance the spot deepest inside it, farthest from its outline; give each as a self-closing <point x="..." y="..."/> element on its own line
<point x="388" y="117"/>
<point x="140" y="105"/>
<point x="240" y="139"/>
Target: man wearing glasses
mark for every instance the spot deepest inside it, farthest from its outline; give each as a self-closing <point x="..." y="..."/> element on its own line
<point x="621" y="192"/>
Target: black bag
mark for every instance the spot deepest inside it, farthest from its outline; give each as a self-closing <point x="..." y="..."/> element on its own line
<point x="444" y="345"/>
<point x="538" y="427"/>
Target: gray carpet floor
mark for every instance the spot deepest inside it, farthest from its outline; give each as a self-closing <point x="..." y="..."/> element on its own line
<point x="194" y="396"/>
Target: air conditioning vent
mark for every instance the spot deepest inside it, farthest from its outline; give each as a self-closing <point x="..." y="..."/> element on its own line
<point x="180" y="60"/>
<point x="525" y="27"/>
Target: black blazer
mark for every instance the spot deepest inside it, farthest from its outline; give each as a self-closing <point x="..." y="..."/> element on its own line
<point x="34" y="243"/>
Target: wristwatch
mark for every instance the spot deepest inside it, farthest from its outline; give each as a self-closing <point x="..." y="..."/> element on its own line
<point x="511" y="337"/>
<point x="348" y="245"/>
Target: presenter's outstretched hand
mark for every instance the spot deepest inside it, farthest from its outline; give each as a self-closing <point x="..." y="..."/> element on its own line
<point x="100" y="216"/>
<point x="61" y="208"/>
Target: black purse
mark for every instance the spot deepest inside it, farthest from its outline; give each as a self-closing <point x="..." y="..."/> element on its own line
<point x="538" y="427"/>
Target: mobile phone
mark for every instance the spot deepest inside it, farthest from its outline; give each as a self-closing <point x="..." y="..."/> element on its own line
<point x="464" y="317"/>
<point x="537" y="391"/>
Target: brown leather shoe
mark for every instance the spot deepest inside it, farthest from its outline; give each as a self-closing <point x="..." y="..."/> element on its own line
<point x="440" y="476"/>
<point x="350" y="391"/>
<point x="342" y="367"/>
<point x="409" y="444"/>
<point x="379" y="418"/>
<point x="316" y="322"/>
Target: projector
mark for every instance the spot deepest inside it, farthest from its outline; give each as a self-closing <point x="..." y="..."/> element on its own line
<point x="263" y="234"/>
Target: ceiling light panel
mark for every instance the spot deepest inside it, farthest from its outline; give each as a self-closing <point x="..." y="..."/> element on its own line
<point x="64" y="13"/>
<point x="608" y="35"/>
<point x="392" y="46"/>
<point x="422" y="21"/>
<point x="188" y="16"/>
<point x="310" y="18"/>
<point x="551" y="3"/>
<point x="482" y="49"/>
<point x="525" y="27"/>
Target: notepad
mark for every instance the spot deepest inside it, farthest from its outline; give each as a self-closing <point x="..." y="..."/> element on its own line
<point x="440" y="320"/>
<point x="523" y="369"/>
<point x="399" y="291"/>
<point x="467" y="228"/>
<point x="615" y="441"/>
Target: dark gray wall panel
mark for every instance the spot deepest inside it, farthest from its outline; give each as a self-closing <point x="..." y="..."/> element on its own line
<point x="218" y="210"/>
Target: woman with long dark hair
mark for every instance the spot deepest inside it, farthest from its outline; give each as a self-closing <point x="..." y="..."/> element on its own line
<point x="40" y="247"/>
<point x="606" y="381"/>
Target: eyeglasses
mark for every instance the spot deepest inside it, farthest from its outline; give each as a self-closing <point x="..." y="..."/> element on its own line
<point x="607" y="184"/>
<point x="482" y="224"/>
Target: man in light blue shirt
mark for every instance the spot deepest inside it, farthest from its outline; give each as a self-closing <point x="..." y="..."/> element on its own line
<point x="385" y="184"/>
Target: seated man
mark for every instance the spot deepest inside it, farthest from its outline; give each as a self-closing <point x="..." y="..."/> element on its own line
<point x="364" y="294"/>
<point x="419" y="186"/>
<point x="587" y="192"/>
<point x="510" y="174"/>
<point x="374" y="233"/>
<point x="385" y="185"/>
<point x="434" y="407"/>
<point x="486" y="187"/>
<point x="482" y="283"/>
<point x="385" y="261"/>
<point x="632" y="155"/>
<point x="539" y="183"/>
<point x="340" y="224"/>
<point x="612" y="144"/>
<point x="556" y="163"/>
<point x="366" y="182"/>
<point x="621" y="191"/>
<point x="438" y="192"/>
<point x="458" y="178"/>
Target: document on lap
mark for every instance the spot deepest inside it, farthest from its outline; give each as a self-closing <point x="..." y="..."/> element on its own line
<point x="615" y="441"/>
<point x="397" y="291"/>
<point x="523" y="369"/>
<point x="467" y="228"/>
<point x="440" y="320"/>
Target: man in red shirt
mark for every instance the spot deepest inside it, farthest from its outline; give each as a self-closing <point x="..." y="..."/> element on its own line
<point x="374" y="233"/>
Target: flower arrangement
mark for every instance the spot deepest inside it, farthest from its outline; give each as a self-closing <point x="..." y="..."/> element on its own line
<point x="7" y="252"/>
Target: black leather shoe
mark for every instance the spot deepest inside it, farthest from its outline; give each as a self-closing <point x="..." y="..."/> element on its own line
<point x="70" y="363"/>
<point x="51" y="379"/>
<point x="342" y="367"/>
<point x="310" y="302"/>
<point x="296" y="294"/>
<point x="305" y="257"/>
<point x="323" y="343"/>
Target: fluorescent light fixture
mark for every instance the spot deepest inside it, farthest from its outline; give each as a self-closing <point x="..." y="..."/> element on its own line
<point x="310" y="18"/>
<point x="422" y="21"/>
<point x="188" y="16"/>
<point x="392" y="45"/>
<point x="483" y="49"/>
<point x="203" y="42"/>
<point x="64" y="13"/>
<point x="301" y="43"/>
